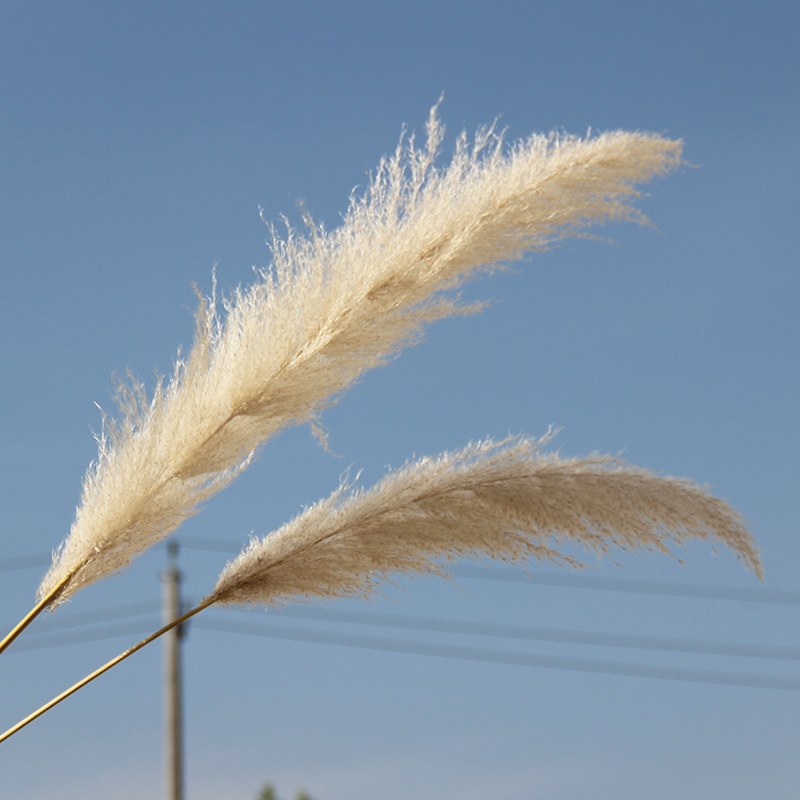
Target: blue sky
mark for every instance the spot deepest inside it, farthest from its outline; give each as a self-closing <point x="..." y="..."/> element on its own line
<point x="139" y="144"/>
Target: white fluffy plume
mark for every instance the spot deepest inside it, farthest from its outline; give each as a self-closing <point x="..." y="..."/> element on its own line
<point x="502" y="501"/>
<point x="334" y="305"/>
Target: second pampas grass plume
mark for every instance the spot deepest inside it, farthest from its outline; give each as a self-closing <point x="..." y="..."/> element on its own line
<point x="333" y="305"/>
<point x="504" y="500"/>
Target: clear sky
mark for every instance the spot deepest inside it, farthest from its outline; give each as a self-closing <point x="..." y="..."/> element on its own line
<point x="140" y="141"/>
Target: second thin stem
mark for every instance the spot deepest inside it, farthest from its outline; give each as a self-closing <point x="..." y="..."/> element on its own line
<point x="98" y="672"/>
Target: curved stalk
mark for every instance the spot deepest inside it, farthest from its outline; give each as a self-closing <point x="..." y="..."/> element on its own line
<point x="98" y="672"/>
<point x="34" y="612"/>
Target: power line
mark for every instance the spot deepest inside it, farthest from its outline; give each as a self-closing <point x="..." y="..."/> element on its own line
<point x="62" y="635"/>
<point x="59" y="638"/>
<point x="506" y="631"/>
<point x="52" y="632"/>
<point x="572" y="581"/>
<point x="495" y="630"/>
<point x="505" y="657"/>
<point x="24" y="562"/>
<point x="59" y="631"/>
<point x="459" y="652"/>
<point x="80" y="618"/>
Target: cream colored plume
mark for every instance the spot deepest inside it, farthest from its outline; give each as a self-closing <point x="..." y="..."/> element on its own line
<point x="496" y="501"/>
<point x="332" y="306"/>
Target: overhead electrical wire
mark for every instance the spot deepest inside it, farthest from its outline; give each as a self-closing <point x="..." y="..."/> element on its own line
<point x="460" y="652"/>
<point x="66" y="629"/>
<point x="65" y="633"/>
<point x="559" y="635"/>
<point x="429" y="624"/>
<point x="603" y="583"/>
<point x="60" y="638"/>
<point x="79" y="618"/>
<point x="504" y="656"/>
<point x="24" y="562"/>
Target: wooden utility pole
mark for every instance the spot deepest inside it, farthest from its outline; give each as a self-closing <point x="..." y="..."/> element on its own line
<point x="173" y="688"/>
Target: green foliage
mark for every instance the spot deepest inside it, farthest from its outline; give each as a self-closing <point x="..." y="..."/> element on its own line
<point x="268" y="793"/>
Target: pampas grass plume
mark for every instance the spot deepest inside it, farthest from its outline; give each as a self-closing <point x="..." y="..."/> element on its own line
<point x="332" y="306"/>
<point x="503" y="501"/>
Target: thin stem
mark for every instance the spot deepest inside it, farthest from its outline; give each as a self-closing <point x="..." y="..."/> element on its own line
<point x="98" y="672"/>
<point x="34" y="612"/>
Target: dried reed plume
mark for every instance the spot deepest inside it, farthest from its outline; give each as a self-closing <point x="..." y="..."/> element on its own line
<point x="332" y="306"/>
<point x="489" y="500"/>
<point x="498" y="501"/>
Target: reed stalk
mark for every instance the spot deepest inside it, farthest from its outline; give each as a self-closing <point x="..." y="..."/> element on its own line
<point x="40" y="606"/>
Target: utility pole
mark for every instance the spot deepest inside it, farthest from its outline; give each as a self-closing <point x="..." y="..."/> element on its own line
<point x="173" y="688"/>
